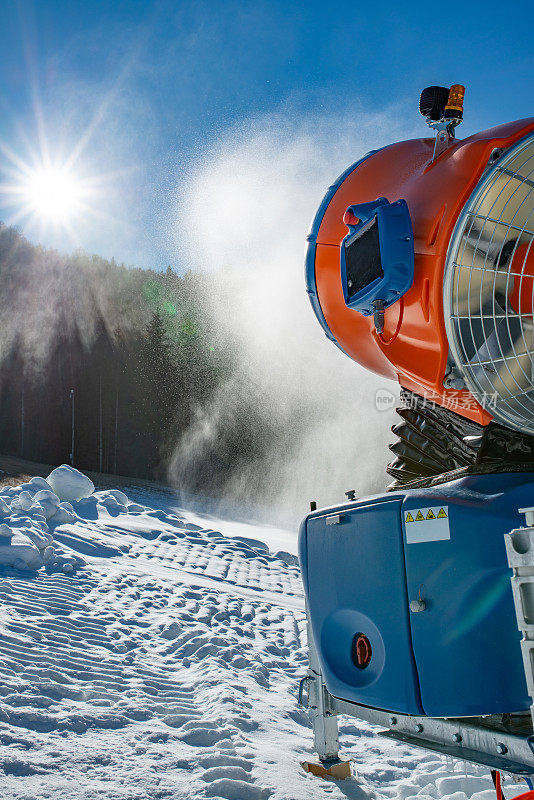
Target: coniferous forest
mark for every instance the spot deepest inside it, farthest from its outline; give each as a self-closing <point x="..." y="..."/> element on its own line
<point x="101" y="365"/>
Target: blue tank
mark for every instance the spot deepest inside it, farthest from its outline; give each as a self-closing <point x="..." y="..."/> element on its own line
<point x="409" y="597"/>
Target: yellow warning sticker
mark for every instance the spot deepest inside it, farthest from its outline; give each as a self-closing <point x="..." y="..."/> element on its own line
<point x="432" y="524"/>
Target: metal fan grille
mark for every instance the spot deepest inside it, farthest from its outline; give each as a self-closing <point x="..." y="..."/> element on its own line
<point x="489" y="289"/>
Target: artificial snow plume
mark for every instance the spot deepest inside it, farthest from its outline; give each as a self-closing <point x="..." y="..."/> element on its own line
<point x="70" y="484"/>
<point x="244" y="215"/>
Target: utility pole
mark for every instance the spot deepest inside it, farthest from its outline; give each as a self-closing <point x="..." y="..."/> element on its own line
<point x="116" y="430"/>
<point x="22" y="422"/>
<point x="100" y="461"/>
<point x="72" y="428"/>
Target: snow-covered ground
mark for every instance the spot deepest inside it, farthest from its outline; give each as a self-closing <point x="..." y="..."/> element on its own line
<point x="149" y="654"/>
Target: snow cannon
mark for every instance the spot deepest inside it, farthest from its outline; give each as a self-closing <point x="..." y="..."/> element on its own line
<point x="420" y="266"/>
<point x="420" y="601"/>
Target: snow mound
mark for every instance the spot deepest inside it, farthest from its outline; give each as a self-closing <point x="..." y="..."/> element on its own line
<point x="69" y="484"/>
<point x="37" y="483"/>
<point x="30" y="515"/>
<point x="18" y="550"/>
<point x="113" y="500"/>
<point x="48" y="501"/>
<point x="65" y="513"/>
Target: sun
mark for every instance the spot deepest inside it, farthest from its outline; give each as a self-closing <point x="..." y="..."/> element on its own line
<point x="49" y="196"/>
<point x="53" y="194"/>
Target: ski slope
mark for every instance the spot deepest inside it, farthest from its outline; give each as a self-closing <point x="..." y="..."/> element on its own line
<point x="147" y="653"/>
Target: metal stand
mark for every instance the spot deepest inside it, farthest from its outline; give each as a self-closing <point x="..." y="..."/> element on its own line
<point x="520" y="552"/>
<point x="324" y="721"/>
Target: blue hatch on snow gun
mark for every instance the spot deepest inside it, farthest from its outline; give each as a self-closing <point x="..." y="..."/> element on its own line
<point x="377" y="254"/>
<point x="410" y="601"/>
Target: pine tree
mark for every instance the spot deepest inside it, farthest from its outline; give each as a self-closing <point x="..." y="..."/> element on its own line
<point x="158" y="360"/>
<point x="158" y="377"/>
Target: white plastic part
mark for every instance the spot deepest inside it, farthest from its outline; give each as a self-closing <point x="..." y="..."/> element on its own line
<point x="520" y="553"/>
<point x="529" y="513"/>
<point x="334" y="519"/>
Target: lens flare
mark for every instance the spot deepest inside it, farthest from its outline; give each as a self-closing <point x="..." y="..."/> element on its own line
<point x="48" y="195"/>
<point x="53" y="194"/>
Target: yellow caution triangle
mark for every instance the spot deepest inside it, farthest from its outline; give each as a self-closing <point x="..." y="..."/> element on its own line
<point x="430" y="514"/>
<point x="442" y="514"/>
<point x="419" y="517"/>
<point x="409" y="517"/>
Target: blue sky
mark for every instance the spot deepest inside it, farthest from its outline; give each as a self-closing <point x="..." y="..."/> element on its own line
<point x="140" y="91"/>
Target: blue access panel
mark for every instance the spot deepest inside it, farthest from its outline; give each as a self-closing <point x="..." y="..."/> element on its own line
<point x="465" y="639"/>
<point x="354" y="578"/>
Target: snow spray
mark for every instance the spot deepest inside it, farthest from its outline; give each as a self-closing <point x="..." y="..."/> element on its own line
<point x="246" y="208"/>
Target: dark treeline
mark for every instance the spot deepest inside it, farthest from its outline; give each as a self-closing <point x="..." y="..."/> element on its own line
<point x="122" y="357"/>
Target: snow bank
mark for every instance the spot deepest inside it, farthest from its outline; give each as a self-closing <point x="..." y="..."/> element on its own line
<point x="69" y="484"/>
<point x="18" y="550"/>
<point x="30" y="514"/>
<point x="113" y="500"/>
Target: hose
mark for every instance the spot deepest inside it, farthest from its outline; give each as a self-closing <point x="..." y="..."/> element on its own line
<point x="496" y="778"/>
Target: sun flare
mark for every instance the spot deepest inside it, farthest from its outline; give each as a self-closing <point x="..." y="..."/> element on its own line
<point x="54" y="194"/>
<point x="49" y="195"/>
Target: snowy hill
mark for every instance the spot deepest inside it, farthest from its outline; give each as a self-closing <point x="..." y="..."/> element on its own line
<point x="145" y="656"/>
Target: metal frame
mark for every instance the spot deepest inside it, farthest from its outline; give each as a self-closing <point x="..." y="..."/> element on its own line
<point x="320" y="704"/>
<point x="481" y="740"/>
<point x="520" y="553"/>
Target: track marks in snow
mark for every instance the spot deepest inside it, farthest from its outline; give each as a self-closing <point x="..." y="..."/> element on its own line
<point x="167" y="668"/>
<point x="233" y="561"/>
<point x="158" y="651"/>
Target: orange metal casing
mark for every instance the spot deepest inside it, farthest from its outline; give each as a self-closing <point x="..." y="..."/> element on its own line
<point x="413" y="348"/>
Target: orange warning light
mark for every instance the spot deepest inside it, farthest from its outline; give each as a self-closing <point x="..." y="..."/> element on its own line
<point x="455" y="103"/>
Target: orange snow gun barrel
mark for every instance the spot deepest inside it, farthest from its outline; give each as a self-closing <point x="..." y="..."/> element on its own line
<point x="420" y="265"/>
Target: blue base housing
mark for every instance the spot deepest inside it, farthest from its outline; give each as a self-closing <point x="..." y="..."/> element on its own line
<point x="363" y="563"/>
